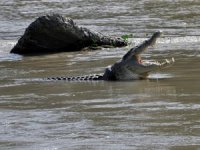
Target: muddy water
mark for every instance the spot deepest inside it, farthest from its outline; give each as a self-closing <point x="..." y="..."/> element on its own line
<point x="159" y="113"/>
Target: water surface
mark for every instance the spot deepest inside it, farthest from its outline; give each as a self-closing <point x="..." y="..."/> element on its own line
<point x="159" y="113"/>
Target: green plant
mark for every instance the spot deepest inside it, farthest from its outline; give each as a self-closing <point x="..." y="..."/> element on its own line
<point x="126" y="36"/>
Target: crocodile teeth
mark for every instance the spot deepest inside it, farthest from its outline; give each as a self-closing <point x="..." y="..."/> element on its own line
<point x="173" y="60"/>
<point x="167" y="61"/>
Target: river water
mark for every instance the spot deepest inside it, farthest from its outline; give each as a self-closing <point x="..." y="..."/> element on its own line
<point x="162" y="112"/>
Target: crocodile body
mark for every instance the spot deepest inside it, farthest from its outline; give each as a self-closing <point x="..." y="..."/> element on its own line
<point x="130" y="67"/>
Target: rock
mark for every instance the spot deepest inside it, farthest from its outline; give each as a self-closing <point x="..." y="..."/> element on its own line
<point x="53" y="33"/>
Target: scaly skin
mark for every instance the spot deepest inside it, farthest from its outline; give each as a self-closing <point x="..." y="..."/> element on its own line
<point x="130" y="67"/>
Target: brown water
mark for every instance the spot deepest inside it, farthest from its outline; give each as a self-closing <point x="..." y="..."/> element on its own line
<point x="160" y="113"/>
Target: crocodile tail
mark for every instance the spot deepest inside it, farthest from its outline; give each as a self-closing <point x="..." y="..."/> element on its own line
<point x="77" y="78"/>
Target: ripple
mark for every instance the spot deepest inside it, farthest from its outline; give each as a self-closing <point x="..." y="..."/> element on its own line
<point x="160" y="76"/>
<point x="10" y="57"/>
<point x="5" y="47"/>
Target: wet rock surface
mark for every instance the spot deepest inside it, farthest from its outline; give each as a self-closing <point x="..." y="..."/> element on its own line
<point x="54" y="33"/>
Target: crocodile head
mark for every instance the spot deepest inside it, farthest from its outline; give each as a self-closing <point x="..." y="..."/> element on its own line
<point x="131" y="66"/>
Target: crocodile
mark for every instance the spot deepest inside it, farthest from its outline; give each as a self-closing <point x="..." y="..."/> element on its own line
<point x="130" y="67"/>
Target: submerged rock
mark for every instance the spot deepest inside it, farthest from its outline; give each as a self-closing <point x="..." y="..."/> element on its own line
<point x="54" y="33"/>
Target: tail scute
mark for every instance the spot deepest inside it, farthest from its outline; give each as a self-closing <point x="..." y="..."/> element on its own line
<point x="77" y="78"/>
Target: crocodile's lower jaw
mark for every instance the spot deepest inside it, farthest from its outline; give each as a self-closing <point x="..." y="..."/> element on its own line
<point x="166" y="62"/>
